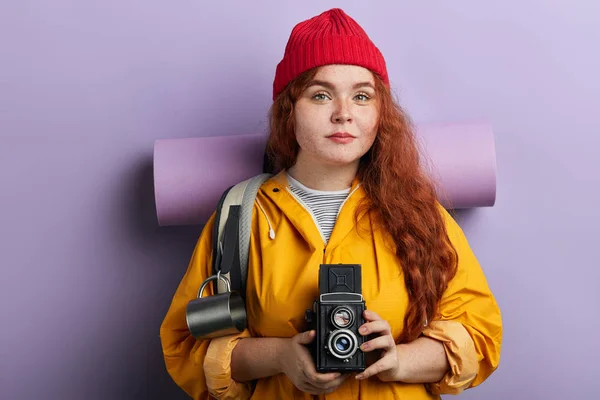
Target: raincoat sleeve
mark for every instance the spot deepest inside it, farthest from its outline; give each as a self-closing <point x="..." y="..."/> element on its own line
<point x="202" y="368"/>
<point x="469" y="323"/>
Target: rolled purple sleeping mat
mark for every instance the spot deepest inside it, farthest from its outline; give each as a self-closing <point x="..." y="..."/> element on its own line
<point x="191" y="174"/>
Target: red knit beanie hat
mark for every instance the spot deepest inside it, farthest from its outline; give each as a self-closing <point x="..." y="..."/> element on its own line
<point x="332" y="37"/>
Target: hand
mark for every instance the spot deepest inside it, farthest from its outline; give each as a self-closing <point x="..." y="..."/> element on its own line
<point x="387" y="366"/>
<point x="297" y="364"/>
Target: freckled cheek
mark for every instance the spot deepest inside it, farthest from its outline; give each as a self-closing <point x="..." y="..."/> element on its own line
<point x="367" y="119"/>
<point x="311" y="144"/>
<point x="308" y="137"/>
<point x="310" y="125"/>
<point x="368" y="130"/>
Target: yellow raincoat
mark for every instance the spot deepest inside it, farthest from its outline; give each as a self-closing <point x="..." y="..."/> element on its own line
<point x="282" y="284"/>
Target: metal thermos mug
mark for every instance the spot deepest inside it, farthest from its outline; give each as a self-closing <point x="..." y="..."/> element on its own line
<point x="217" y="315"/>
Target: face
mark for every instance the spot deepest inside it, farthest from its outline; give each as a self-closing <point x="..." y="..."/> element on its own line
<point x="336" y="116"/>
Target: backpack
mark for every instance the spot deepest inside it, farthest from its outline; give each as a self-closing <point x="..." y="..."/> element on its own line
<point x="231" y="233"/>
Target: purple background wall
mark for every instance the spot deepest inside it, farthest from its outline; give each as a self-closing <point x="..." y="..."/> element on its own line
<point x="86" y="87"/>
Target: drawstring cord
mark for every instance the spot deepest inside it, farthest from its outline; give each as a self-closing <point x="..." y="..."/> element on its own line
<point x="271" y="231"/>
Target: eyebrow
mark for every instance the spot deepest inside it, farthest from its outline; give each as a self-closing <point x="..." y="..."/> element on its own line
<point x="332" y="87"/>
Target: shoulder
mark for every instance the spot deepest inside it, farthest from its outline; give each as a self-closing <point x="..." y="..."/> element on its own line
<point x="453" y="230"/>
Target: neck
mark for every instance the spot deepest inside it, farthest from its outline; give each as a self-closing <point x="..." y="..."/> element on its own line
<point x="323" y="177"/>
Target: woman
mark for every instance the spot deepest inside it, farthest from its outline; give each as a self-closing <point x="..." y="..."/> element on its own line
<point x="349" y="190"/>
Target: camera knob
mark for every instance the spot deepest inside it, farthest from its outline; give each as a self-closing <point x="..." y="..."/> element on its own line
<point x="309" y="315"/>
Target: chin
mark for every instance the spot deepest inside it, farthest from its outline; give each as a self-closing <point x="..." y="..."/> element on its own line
<point x="341" y="162"/>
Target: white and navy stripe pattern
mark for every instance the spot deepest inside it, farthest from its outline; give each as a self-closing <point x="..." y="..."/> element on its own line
<point x="324" y="205"/>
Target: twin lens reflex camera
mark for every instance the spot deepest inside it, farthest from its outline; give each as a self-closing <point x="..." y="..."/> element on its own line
<point x="336" y="316"/>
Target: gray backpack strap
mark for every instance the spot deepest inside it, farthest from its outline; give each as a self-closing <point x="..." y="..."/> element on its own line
<point x="245" y="225"/>
<point x="233" y="232"/>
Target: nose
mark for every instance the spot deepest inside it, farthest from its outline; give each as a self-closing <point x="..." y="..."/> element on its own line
<point x="341" y="114"/>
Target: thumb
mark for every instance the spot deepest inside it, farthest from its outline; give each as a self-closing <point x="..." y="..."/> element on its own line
<point x="306" y="337"/>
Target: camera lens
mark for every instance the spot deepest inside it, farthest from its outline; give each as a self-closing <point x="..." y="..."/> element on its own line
<point x="342" y="343"/>
<point x="342" y="317"/>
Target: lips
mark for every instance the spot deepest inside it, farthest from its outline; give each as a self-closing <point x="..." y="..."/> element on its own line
<point x="341" y="138"/>
<point x="341" y="135"/>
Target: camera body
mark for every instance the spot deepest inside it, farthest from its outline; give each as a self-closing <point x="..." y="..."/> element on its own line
<point x="336" y="316"/>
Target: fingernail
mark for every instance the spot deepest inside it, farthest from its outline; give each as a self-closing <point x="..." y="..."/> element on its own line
<point x="362" y="329"/>
<point x="359" y="376"/>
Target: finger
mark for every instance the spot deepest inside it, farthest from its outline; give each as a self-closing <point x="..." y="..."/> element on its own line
<point x="314" y="377"/>
<point x="380" y="326"/>
<point x="317" y="391"/>
<point x="331" y="385"/>
<point x="380" y="342"/>
<point x="328" y="391"/>
<point x="337" y="382"/>
<point x="383" y="364"/>
<point x="307" y="388"/>
<point x="334" y="383"/>
<point x="305" y="337"/>
<point x="311" y="374"/>
<point x="320" y="380"/>
<point x="371" y="315"/>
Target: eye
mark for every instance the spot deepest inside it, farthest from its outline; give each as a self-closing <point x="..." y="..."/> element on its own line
<point x="321" y="96"/>
<point x="362" y="97"/>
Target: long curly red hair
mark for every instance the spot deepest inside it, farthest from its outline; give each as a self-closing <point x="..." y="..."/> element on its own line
<point x="400" y="196"/>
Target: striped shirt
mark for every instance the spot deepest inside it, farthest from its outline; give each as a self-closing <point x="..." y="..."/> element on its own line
<point x="324" y="205"/>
